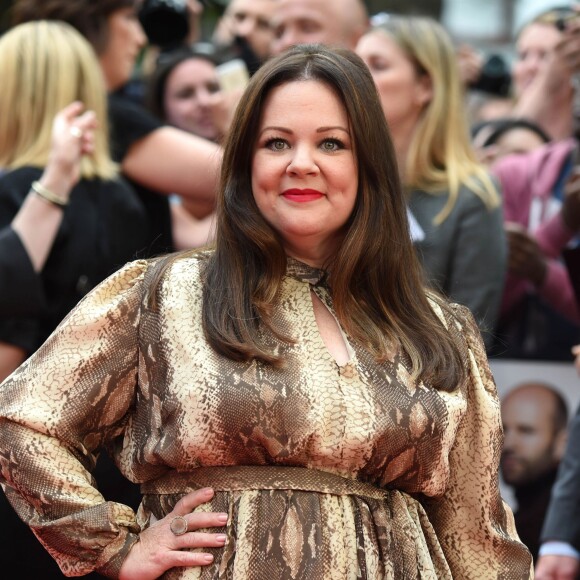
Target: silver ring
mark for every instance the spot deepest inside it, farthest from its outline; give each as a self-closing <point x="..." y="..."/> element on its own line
<point x="76" y="132"/>
<point x="178" y="525"/>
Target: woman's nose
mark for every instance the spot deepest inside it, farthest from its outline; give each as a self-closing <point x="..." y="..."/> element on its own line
<point x="303" y="161"/>
<point x="139" y="35"/>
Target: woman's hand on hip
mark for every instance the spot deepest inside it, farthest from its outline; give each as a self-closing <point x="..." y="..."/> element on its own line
<point x="164" y="544"/>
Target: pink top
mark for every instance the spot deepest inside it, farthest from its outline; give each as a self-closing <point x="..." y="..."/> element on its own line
<point x="528" y="182"/>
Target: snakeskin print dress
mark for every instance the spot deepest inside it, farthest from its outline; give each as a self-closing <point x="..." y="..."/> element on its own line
<point x="327" y="471"/>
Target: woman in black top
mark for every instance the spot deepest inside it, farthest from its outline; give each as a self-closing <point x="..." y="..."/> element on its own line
<point x="67" y="220"/>
<point x="157" y="159"/>
<point x="102" y="223"/>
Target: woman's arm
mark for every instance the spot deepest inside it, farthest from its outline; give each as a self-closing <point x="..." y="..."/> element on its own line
<point x="57" y="410"/>
<point x="475" y="528"/>
<point x="25" y="243"/>
<point x="172" y="161"/>
<point x="38" y="220"/>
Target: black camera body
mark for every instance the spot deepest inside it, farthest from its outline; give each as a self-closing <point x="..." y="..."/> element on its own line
<point x="165" y="22"/>
<point x="495" y="77"/>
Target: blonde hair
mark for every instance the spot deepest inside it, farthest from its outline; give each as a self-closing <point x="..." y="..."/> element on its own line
<point x="44" y="66"/>
<point x="440" y="155"/>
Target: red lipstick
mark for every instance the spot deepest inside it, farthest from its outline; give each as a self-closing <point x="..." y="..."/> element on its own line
<point x="302" y="195"/>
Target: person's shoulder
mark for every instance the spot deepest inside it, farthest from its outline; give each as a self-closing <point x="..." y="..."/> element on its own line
<point x="15" y="185"/>
<point x="450" y="313"/>
<point x="470" y="191"/>
<point x="21" y="177"/>
<point x="178" y="265"/>
<point x="124" y="111"/>
<point x="129" y="123"/>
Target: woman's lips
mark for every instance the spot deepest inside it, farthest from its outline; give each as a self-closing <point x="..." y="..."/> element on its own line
<point x="302" y="195"/>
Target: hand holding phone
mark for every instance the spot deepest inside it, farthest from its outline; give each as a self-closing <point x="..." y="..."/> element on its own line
<point x="233" y="75"/>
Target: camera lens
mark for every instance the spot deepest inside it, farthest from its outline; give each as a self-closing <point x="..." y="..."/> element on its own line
<point x="165" y="22"/>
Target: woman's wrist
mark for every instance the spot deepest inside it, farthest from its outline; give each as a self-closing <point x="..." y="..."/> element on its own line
<point x="57" y="182"/>
<point x="48" y="195"/>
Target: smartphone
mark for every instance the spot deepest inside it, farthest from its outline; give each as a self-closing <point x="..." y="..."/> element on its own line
<point x="233" y="75"/>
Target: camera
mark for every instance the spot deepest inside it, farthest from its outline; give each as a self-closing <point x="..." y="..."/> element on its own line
<point x="564" y="17"/>
<point x="165" y="22"/>
<point x="495" y="77"/>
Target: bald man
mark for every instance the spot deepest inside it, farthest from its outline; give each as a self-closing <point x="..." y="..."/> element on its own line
<point x="534" y="417"/>
<point x="330" y="22"/>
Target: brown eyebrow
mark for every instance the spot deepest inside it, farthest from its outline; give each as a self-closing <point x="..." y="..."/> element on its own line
<point x="319" y="130"/>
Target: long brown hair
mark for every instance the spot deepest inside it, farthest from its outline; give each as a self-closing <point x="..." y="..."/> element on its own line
<point x="376" y="279"/>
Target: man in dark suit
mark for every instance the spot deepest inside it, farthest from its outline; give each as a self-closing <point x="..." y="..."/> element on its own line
<point x="560" y="551"/>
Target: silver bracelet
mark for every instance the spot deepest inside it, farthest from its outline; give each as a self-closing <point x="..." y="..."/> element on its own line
<point x="48" y="195"/>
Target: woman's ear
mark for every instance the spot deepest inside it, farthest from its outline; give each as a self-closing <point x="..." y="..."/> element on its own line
<point x="424" y="92"/>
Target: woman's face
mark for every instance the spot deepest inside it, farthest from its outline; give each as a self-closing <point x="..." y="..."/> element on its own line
<point x="125" y="40"/>
<point x="304" y="171"/>
<point x="191" y="90"/>
<point x="533" y="44"/>
<point x="403" y="92"/>
<point x="518" y="140"/>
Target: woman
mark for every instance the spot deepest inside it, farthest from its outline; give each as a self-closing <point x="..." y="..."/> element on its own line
<point x="547" y="49"/>
<point x="539" y="316"/>
<point x="157" y="159"/>
<point x="26" y="242"/>
<point x="61" y="202"/>
<point x="100" y="220"/>
<point x="461" y="239"/>
<point x="295" y="388"/>
<point x="184" y="91"/>
<point x="496" y="138"/>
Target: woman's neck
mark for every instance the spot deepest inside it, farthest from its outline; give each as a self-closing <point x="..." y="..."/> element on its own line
<point x="317" y="255"/>
<point x="402" y="144"/>
<point x="402" y="136"/>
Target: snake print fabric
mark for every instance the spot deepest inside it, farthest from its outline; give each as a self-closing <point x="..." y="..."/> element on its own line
<point x="145" y="382"/>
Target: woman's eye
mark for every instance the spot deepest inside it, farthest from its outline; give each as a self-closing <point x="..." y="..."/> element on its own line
<point x="377" y="65"/>
<point x="332" y="145"/>
<point x="276" y="144"/>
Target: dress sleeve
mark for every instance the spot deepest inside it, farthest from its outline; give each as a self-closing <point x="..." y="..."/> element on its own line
<point x="69" y="399"/>
<point x="475" y="527"/>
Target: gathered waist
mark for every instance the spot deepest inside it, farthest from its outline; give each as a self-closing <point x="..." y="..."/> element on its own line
<point x="260" y="477"/>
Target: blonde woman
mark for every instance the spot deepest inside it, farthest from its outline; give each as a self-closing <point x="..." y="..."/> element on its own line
<point x="62" y="202"/>
<point x="158" y="160"/>
<point x="44" y="67"/>
<point x="457" y="224"/>
<point x="27" y="240"/>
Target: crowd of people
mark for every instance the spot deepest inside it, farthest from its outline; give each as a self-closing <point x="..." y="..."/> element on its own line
<point x="303" y="391"/>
